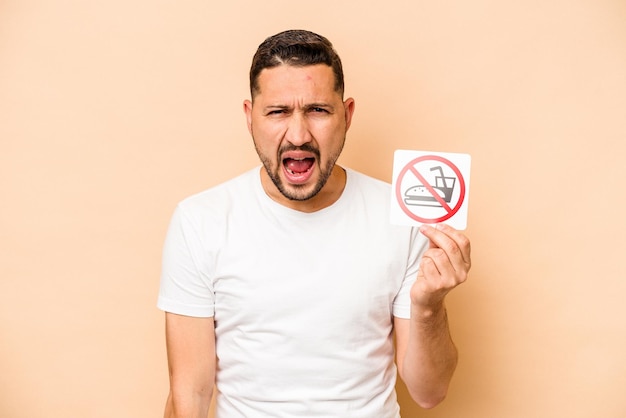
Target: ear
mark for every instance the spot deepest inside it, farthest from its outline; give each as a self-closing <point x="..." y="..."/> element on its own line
<point x="247" y="109"/>
<point x="348" y="106"/>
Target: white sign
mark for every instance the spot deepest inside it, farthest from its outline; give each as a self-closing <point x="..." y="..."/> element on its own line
<point x="430" y="187"/>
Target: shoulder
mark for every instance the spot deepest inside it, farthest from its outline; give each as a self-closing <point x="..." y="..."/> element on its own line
<point x="208" y="212"/>
<point x="220" y="198"/>
<point x="202" y="219"/>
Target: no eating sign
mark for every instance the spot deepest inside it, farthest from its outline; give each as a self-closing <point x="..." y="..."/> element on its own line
<point x="430" y="187"/>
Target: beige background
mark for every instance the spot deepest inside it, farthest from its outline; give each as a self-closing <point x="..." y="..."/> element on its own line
<point x="113" y="111"/>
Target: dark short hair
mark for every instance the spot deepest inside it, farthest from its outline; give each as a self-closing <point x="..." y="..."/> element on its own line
<point x="298" y="48"/>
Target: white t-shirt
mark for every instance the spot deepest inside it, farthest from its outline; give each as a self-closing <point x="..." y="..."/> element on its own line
<point x="303" y="303"/>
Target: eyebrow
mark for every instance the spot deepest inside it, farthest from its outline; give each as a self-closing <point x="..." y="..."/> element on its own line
<point x="306" y="106"/>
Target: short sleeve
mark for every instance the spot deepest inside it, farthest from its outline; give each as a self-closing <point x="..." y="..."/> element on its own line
<point x="186" y="288"/>
<point x="402" y="302"/>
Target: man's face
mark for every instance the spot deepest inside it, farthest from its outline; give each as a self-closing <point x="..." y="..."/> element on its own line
<point x="298" y="123"/>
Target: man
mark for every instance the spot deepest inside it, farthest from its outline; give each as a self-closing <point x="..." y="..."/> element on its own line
<point x="284" y="286"/>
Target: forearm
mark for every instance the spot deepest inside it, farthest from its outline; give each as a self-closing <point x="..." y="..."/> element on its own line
<point x="430" y="357"/>
<point x="191" y="359"/>
<point x="194" y="405"/>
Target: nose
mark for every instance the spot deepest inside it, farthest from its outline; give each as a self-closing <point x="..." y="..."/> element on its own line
<point x="298" y="132"/>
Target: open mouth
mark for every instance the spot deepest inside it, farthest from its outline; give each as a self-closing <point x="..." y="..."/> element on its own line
<point x="298" y="170"/>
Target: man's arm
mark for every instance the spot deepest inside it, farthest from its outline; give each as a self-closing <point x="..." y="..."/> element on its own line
<point x="426" y="355"/>
<point x="191" y="359"/>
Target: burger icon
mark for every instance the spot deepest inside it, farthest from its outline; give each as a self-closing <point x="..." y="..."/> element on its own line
<point x="431" y="195"/>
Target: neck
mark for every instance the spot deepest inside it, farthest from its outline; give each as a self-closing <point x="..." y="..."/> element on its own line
<point x="330" y="193"/>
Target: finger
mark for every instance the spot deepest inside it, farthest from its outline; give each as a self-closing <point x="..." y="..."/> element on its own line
<point x="428" y="267"/>
<point x="461" y="240"/>
<point x="446" y="253"/>
<point x="441" y="262"/>
<point x="449" y="239"/>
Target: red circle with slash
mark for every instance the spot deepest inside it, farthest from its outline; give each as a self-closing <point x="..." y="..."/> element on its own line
<point x="410" y="167"/>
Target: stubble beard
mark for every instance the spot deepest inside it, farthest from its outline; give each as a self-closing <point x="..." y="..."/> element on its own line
<point x="298" y="192"/>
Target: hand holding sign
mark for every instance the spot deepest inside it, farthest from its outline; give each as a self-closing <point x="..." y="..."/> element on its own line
<point x="444" y="265"/>
<point x="430" y="187"/>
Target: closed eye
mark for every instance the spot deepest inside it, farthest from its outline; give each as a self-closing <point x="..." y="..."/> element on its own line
<point x="276" y="111"/>
<point x="318" y="109"/>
